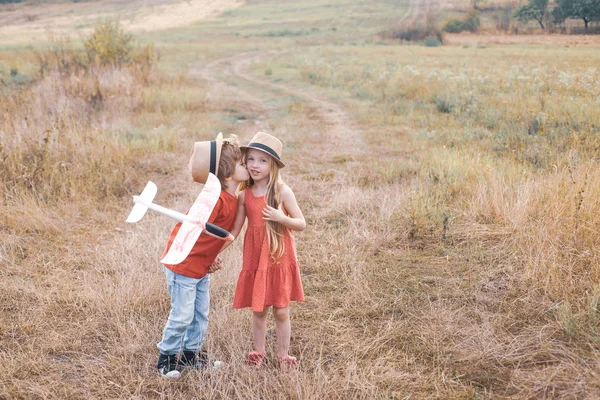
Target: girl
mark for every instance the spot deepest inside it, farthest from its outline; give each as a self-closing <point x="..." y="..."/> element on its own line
<point x="270" y="274"/>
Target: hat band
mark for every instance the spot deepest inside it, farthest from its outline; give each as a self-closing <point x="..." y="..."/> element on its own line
<point x="213" y="156"/>
<point x="264" y="147"/>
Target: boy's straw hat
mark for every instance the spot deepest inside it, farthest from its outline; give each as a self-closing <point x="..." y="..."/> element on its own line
<point x="205" y="158"/>
<point x="267" y="143"/>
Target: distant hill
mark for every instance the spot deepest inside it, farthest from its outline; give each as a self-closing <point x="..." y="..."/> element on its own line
<point x="31" y="20"/>
<point x="40" y="2"/>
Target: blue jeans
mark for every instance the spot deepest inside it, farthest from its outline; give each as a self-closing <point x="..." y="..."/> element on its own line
<point x="188" y="320"/>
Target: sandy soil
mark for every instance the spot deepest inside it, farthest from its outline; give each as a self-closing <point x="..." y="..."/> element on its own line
<point x="22" y="23"/>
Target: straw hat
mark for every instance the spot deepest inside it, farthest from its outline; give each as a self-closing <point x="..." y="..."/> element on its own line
<point x="205" y="158"/>
<point x="267" y="143"/>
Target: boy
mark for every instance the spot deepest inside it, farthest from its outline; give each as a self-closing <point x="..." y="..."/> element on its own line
<point x="188" y="282"/>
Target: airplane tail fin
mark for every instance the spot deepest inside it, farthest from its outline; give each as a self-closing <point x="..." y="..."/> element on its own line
<point x="141" y="202"/>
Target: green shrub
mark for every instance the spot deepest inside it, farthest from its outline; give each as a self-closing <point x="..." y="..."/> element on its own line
<point x="109" y="44"/>
<point x="470" y="23"/>
<point x="414" y="33"/>
<point x="431" y="42"/>
<point x="443" y="104"/>
<point x="453" y="25"/>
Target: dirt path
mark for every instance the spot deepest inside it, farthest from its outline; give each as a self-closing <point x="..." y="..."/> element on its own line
<point x="417" y="10"/>
<point x="339" y="134"/>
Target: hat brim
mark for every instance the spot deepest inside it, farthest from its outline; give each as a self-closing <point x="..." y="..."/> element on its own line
<point x="273" y="156"/>
<point x="205" y="158"/>
<point x="219" y="141"/>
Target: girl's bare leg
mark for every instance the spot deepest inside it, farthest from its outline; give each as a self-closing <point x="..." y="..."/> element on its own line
<point x="283" y="330"/>
<point x="259" y="329"/>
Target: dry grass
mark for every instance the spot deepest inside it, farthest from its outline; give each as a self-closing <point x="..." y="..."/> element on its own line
<point x="450" y="195"/>
<point x="503" y="196"/>
<point x="467" y="39"/>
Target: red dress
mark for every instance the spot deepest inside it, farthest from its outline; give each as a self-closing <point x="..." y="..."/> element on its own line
<point x="263" y="281"/>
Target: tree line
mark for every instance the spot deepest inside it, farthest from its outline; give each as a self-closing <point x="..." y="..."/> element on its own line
<point x="539" y="10"/>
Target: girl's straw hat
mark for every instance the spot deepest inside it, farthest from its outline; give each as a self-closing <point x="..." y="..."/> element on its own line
<point x="205" y="158"/>
<point x="267" y="143"/>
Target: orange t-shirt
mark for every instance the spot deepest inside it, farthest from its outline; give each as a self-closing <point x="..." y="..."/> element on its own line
<point x="207" y="247"/>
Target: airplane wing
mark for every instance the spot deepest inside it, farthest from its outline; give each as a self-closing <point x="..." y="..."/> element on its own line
<point x="197" y="218"/>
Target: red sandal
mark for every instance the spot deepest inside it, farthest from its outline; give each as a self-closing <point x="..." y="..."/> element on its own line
<point x="256" y="359"/>
<point x="287" y="363"/>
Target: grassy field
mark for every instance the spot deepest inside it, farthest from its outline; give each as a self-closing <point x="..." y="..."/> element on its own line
<point x="450" y="193"/>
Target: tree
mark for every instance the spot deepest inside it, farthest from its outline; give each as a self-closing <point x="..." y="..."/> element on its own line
<point x="587" y="10"/>
<point x="534" y="9"/>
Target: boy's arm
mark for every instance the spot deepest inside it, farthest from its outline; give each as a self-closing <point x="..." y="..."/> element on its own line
<point x="294" y="220"/>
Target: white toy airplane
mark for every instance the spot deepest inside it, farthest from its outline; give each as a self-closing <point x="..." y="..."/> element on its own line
<point x="192" y="224"/>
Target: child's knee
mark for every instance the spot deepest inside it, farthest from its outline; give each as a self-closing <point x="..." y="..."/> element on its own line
<point x="181" y="318"/>
<point x="261" y="314"/>
<point x="281" y="314"/>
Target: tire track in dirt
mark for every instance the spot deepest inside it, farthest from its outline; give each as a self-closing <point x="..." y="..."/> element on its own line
<point x="340" y="136"/>
<point x="219" y="89"/>
<point x="417" y="9"/>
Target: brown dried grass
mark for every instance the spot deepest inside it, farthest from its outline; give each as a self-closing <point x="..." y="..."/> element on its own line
<point x="434" y="266"/>
<point x="473" y="39"/>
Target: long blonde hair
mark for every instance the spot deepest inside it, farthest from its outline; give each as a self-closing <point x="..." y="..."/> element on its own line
<point x="273" y="199"/>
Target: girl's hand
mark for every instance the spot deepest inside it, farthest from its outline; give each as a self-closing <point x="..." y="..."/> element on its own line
<point x="273" y="214"/>
<point x="216" y="265"/>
